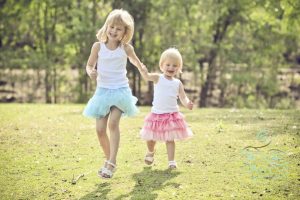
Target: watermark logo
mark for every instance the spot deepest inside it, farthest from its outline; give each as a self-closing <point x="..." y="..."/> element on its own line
<point x="264" y="163"/>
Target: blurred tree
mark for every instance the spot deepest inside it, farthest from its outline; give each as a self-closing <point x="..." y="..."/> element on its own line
<point x="235" y="49"/>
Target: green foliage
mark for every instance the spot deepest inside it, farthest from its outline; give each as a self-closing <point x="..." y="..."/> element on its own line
<point x="260" y="35"/>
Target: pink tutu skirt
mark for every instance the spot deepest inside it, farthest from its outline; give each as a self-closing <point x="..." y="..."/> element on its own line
<point x="165" y="127"/>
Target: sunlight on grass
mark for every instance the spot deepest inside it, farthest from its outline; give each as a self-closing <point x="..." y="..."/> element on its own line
<point x="241" y="154"/>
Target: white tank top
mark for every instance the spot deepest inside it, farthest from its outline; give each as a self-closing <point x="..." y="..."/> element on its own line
<point x="111" y="68"/>
<point x="165" y="95"/>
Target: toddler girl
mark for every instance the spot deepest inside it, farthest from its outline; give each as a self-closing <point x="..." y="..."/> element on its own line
<point x="165" y="122"/>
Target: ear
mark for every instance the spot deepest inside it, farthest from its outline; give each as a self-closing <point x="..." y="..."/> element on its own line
<point x="161" y="69"/>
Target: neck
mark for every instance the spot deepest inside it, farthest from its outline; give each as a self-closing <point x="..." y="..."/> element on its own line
<point x="168" y="77"/>
<point x="112" y="44"/>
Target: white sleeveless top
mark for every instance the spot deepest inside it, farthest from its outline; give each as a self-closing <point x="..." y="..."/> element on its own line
<point x="111" y="68"/>
<point x="165" y="95"/>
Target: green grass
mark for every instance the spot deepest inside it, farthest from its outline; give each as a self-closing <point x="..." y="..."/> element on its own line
<point x="42" y="147"/>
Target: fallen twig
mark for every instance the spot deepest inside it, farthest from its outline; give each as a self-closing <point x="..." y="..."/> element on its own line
<point x="276" y="150"/>
<point x="258" y="147"/>
<point x="74" y="181"/>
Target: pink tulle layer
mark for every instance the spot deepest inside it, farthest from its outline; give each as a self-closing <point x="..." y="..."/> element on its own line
<point x="165" y="127"/>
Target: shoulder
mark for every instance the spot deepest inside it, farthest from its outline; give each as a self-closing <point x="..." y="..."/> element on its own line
<point x="128" y="48"/>
<point x="180" y="85"/>
<point x="178" y="82"/>
<point x="156" y="77"/>
<point x="96" y="47"/>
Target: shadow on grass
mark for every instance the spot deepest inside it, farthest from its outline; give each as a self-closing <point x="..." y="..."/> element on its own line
<point x="100" y="193"/>
<point x="148" y="181"/>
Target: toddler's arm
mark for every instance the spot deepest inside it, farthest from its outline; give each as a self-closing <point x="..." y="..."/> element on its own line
<point x="186" y="102"/>
<point x="148" y="76"/>
<point x="90" y="66"/>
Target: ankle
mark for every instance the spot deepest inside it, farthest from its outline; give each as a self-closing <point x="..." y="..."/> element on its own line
<point x="111" y="164"/>
<point x="172" y="164"/>
<point x="151" y="152"/>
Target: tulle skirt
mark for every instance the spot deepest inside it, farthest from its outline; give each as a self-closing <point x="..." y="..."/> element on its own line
<point x="165" y="127"/>
<point x="103" y="99"/>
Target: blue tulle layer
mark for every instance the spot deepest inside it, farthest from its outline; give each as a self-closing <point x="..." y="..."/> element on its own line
<point x="103" y="99"/>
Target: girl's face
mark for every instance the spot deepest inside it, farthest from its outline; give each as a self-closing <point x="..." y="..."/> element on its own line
<point x="115" y="32"/>
<point x="170" y="67"/>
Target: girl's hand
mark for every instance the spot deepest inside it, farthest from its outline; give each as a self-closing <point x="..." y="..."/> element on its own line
<point x="190" y="105"/>
<point x="93" y="74"/>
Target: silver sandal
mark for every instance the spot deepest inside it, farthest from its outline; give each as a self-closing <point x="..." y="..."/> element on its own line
<point x="108" y="173"/>
<point x="149" y="158"/>
<point x="102" y="168"/>
<point x="172" y="164"/>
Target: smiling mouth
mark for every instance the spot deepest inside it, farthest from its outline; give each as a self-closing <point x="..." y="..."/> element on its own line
<point x="113" y="35"/>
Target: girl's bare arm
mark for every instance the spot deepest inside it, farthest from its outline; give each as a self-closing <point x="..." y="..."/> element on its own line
<point x="141" y="67"/>
<point x="91" y="63"/>
<point x="186" y="102"/>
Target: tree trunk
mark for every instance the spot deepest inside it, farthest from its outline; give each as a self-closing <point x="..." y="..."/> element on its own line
<point x="46" y="53"/>
<point x="221" y="27"/>
<point x="133" y="80"/>
<point x="209" y="78"/>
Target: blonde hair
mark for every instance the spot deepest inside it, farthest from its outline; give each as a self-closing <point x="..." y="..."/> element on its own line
<point x="118" y="16"/>
<point x="171" y="53"/>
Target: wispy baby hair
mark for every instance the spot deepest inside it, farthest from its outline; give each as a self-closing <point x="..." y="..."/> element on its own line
<point x="171" y="53"/>
<point x="119" y="17"/>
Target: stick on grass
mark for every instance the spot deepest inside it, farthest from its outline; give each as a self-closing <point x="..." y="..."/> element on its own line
<point x="258" y="147"/>
<point x="74" y="181"/>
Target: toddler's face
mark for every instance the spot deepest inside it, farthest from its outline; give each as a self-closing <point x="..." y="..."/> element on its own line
<point x="115" y="32"/>
<point x="170" y="67"/>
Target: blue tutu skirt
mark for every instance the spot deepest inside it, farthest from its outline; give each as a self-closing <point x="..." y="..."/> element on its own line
<point x="103" y="99"/>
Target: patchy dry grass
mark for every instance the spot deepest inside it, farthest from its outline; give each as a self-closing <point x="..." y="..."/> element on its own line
<point x="44" y="147"/>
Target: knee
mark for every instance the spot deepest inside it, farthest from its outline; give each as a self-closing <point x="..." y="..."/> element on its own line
<point x="113" y="125"/>
<point x="101" y="131"/>
<point x="170" y="142"/>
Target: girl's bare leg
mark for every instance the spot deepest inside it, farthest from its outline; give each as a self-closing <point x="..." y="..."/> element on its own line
<point x="170" y="150"/>
<point x="151" y="145"/>
<point x="150" y="154"/>
<point x="101" y="125"/>
<point x="113" y="125"/>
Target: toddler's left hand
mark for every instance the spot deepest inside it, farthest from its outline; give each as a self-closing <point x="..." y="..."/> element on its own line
<point x="190" y="105"/>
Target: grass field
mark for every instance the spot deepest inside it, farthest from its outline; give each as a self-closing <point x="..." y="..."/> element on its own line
<point x="234" y="154"/>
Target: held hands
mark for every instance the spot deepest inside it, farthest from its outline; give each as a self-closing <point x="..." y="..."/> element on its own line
<point x="93" y="74"/>
<point x="190" y="105"/>
<point x="144" y="71"/>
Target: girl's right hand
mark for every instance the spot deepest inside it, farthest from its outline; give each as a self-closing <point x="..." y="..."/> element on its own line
<point x="93" y="74"/>
<point x="190" y="105"/>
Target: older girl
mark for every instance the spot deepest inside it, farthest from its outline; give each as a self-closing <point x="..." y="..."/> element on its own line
<point x="113" y="97"/>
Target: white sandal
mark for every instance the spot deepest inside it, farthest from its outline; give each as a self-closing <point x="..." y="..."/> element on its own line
<point x="172" y="164"/>
<point x="102" y="168"/>
<point x="108" y="173"/>
<point x="149" y="158"/>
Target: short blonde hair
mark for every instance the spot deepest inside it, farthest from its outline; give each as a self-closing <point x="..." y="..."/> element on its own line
<point x="118" y="16"/>
<point x="171" y="53"/>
